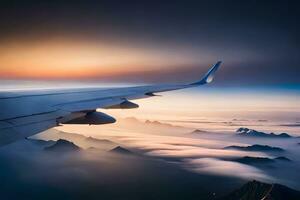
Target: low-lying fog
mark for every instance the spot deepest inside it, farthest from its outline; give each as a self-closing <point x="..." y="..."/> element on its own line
<point x="165" y="160"/>
<point x="203" y="151"/>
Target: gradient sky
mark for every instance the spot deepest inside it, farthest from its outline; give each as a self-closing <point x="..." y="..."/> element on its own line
<point x="68" y="43"/>
<point x="149" y="41"/>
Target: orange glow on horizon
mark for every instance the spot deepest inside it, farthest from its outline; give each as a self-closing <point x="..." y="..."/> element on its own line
<point x="82" y="59"/>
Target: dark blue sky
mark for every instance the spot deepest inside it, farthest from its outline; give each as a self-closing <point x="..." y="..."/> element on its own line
<point x="257" y="40"/>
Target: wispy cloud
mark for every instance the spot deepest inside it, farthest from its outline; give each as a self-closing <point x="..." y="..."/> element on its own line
<point x="227" y="168"/>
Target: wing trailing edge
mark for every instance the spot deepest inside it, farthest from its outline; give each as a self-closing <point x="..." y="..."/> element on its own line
<point x="29" y="113"/>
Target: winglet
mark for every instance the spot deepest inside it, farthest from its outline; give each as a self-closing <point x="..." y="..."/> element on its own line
<point x="209" y="76"/>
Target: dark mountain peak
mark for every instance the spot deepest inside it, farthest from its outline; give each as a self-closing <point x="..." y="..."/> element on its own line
<point x="240" y="120"/>
<point x="41" y="142"/>
<point x="120" y="150"/>
<point x="198" y="131"/>
<point x="249" y="160"/>
<point x="132" y="119"/>
<point x="284" y="135"/>
<point x="262" y="120"/>
<point x="240" y="130"/>
<point x="253" y="133"/>
<point x="62" y="146"/>
<point x="255" y="190"/>
<point x="161" y="124"/>
<point x="256" y="147"/>
<point x="153" y="122"/>
<point x="282" y="158"/>
<point x="96" y="140"/>
<point x="254" y="160"/>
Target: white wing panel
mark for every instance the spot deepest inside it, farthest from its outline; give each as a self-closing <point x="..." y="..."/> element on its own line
<point x="89" y="104"/>
<point x="26" y="113"/>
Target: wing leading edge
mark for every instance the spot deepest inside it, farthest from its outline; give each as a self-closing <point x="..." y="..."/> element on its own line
<point x="26" y="114"/>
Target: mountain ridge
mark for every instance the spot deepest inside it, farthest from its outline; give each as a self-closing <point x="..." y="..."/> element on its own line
<point x="253" y="133"/>
<point x="255" y="190"/>
<point x="62" y="145"/>
<point x="256" y="147"/>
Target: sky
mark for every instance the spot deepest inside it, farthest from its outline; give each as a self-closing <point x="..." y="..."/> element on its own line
<point x="150" y="41"/>
<point x="92" y="43"/>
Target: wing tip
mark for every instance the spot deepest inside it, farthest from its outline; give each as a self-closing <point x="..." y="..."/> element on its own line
<point x="209" y="76"/>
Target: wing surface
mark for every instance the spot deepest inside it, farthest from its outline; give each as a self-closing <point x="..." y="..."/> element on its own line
<point x="24" y="114"/>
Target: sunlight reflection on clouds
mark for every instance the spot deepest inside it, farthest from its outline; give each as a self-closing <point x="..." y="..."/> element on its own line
<point x="227" y="168"/>
<point x="201" y="152"/>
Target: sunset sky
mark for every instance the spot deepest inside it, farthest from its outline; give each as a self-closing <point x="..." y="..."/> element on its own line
<point x="67" y="67"/>
<point x="147" y="42"/>
<point x="106" y="42"/>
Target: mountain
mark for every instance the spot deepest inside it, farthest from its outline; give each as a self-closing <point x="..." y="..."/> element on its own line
<point x="102" y="141"/>
<point x="255" y="190"/>
<point x="132" y="119"/>
<point x="198" y="131"/>
<point x="148" y="122"/>
<point x="256" y="147"/>
<point x="254" y="160"/>
<point x="262" y="120"/>
<point x="161" y="124"/>
<point x="120" y="150"/>
<point x="98" y="142"/>
<point x="41" y="142"/>
<point x="259" y="160"/>
<point x="282" y="158"/>
<point x="253" y="133"/>
<point x="62" y="146"/>
<point x="153" y="122"/>
<point x="80" y="140"/>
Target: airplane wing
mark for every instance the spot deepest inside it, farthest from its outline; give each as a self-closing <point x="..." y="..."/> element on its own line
<point x="24" y="114"/>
